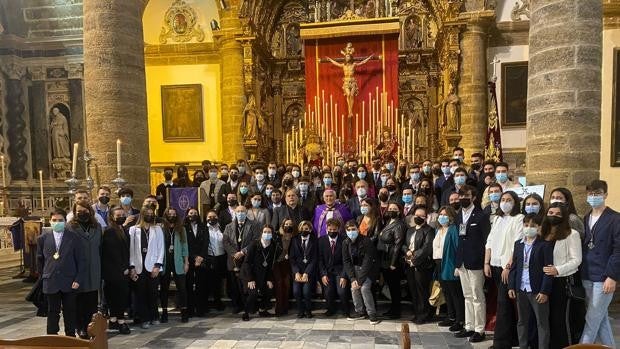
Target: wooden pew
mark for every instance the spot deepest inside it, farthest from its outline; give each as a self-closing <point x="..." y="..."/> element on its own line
<point x="96" y="330"/>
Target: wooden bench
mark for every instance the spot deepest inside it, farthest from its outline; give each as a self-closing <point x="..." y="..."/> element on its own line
<point x="96" y="330"/>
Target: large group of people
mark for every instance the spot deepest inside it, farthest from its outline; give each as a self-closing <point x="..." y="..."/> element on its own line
<point x="348" y="232"/>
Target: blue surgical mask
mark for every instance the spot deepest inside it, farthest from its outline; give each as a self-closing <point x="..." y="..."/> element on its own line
<point x="416" y="177"/>
<point x="352" y="234"/>
<point x="327" y="181"/>
<point x="241" y="216"/>
<point x="361" y="175"/>
<point x="243" y="190"/>
<point x="445" y="170"/>
<point x="384" y="179"/>
<point x="426" y="169"/>
<point x="260" y="177"/>
<point x="494" y="197"/>
<point x="58" y="226"/>
<point x="268" y="192"/>
<point x="126" y="200"/>
<point x="389" y="166"/>
<point x="303" y="187"/>
<point x="596" y="200"/>
<point x="460" y="180"/>
<point x="267" y="236"/>
<point x="407" y="199"/>
<point x="530" y="232"/>
<point x="361" y="192"/>
<point x="529" y="209"/>
<point x="256" y="203"/>
<point x="443" y="219"/>
<point x="364" y="210"/>
<point x="501" y="177"/>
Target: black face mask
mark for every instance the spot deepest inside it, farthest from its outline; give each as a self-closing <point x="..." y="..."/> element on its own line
<point x="437" y="172"/>
<point x="181" y="174"/>
<point x="172" y="219"/>
<point x="425" y="191"/>
<point x="287" y="183"/>
<point x="149" y="218"/>
<point x="234" y="177"/>
<point x="83" y="217"/>
<point x="476" y="167"/>
<point x="332" y="234"/>
<point x="224" y="178"/>
<point x="383" y="197"/>
<point x="232" y="203"/>
<point x="554" y="220"/>
<point x="199" y="179"/>
<point x="305" y="233"/>
<point x="120" y="220"/>
<point x="192" y="218"/>
<point x="288" y="229"/>
<point x="418" y="220"/>
<point x="391" y="187"/>
<point x="168" y="176"/>
<point x="212" y="221"/>
<point x="391" y="214"/>
<point x="152" y="206"/>
<point x="465" y="202"/>
<point x="104" y="200"/>
<point x="456" y="205"/>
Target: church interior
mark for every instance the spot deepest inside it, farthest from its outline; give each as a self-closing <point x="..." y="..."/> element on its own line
<point x="112" y="92"/>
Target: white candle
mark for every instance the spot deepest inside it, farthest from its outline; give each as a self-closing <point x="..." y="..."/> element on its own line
<point x="3" y="174"/>
<point x="41" y="188"/>
<point x="118" y="156"/>
<point x="75" y="155"/>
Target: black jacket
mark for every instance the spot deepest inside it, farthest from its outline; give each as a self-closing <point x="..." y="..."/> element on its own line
<point x="360" y="259"/>
<point x="197" y="242"/>
<point x="390" y="241"/>
<point x="423" y="246"/>
<point x="251" y="231"/>
<point x="253" y="268"/>
<point x="541" y="255"/>
<point x="114" y="254"/>
<point x="284" y="212"/>
<point x="329" y="263"/>
<point x="373" y="231"/>
<point x="59" y="274"/>
<point x="296" y="256"/>
<point x="470" y="251"/>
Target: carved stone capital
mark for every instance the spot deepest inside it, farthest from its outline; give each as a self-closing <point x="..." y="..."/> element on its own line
<point x="75" y="70"/>
<point x="37" y="73"/>
<point x="14" y="70"/>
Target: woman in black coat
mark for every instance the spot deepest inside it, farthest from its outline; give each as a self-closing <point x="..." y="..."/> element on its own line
<point x="115" y="269"/>
<point x="389" y="245"/>
<point x="304" y="257"/>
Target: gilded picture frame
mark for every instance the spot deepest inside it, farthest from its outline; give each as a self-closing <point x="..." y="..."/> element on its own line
<point x="615" y="110"/>
<point x="514" y="94"/>
<point x="182" y="113"/>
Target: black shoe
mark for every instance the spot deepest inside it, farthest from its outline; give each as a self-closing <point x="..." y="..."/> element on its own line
<point x="264" y="313"/>
<point x="373" y="320"/>
<point x="124" y="329"/>
<point x="457" y="327"/>
<point x="355" y="316"/>
<point x="329" y="313"/>
<point x="446" y="323"/>
<point x="477" y="337"/>
<point x="245" y="317"/>
<point x="164" y="317"/>
<point x="309" y="315"/>
<point x="113" y="325"/>
<point x="84" y="335"/>
<point x="464" y="334"/>
<point x="301" y="315"/>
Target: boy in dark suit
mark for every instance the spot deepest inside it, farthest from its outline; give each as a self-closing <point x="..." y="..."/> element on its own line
<point x="63" y="268"/>
<point x="529" y="284"/>
<point x="331" y="268"/>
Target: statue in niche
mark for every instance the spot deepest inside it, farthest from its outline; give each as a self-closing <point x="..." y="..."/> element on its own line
<point x="293" y="46"/>
<point x="263" y="124"/>
<point x="250" y="120"/>
<point x="449" y="110"/>
<point x="276" y="44"/>
<point x="59" y="128"/>
<point x="369" y="9"/>
<point x="413" y="33"/>
<point x="292" y="116"/>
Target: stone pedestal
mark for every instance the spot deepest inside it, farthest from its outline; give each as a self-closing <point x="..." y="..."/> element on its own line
<point x="115" y="91"/>
<point x="473" y="81"/>
<point x="564" y="94"/>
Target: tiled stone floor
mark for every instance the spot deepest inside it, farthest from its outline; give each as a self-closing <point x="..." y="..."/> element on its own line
<point x="223" y="330"/>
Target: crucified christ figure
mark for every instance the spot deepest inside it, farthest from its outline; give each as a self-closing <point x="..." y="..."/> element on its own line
<point x="349" y="83"/>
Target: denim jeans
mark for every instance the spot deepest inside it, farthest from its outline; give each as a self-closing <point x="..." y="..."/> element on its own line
<point x="362" y="298"/>
<point x="597" y="327"/>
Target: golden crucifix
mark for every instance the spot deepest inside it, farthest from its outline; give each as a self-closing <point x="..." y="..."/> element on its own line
<point x="349" y="83"/>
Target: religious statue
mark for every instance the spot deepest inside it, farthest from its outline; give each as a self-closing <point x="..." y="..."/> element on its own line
<point x="349" y="83"/>
<point x="449" y="110"/>
<point x="312" y="148"/>
<point x="60" y="135"/>
<point x="293" y="46"/>
<point x="413" y="33"/>
<point x="369" y="9"/>
<point x="388" y="147"/>
<point x="250" y="119"/>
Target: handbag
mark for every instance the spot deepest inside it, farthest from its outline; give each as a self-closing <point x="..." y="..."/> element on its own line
<point x="436" y="299"/>
<point x="574" y="291"/>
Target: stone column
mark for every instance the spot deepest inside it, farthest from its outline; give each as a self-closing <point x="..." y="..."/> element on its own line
<point x="233" y="96"/>
<point x="115" y="90"/>
<point x="16" y="122"/>
<point x="564" y="94"/>
<point x="473" y="82"/>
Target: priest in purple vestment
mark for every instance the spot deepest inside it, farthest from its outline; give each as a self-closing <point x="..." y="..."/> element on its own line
<point x="331" y="209"/>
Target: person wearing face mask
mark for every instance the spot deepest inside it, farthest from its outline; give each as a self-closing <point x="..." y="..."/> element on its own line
<point x="291" y="210"/>
<point x="331" y="209"/>
<point x="227" y="212"/>
<point x="494" y="195"/>
<point x="418" y="251"/>
<point x="272" y="175"/>
<point x="237" y="237"/>
<point x="307" y="196"/>
<point x="454" y="184"/>
<point x="125" y="199"/>
<point x="533" y="204"/>
<point x="257" y="210"/>
<point x="443" y="178"/>
<point x="331" y="270"/>
<point x="161" y="192"/>
<point x="83" y="196"/>
<point x="486" y="177"/>
<point x="363" y="174"/>
<point x="501" y="177"/>
<point x="89" y="235"/>
<point x="392" y="188"/>
<point x="259" y="182"/>
<point x="444" y="254"/>
<point x="383" y="178"/>
<point x="389" y="245"/>
<point x="328" y="183"/>
<point x="275" y="199"/>
<point x="474" y="226"/>
<point x="427" y="169"/>
<point x="354" y="203"/>
<point x="408" y="204"/>
<point x="529" y="285"/>
<point x="476" y="166"/>
<point x="601" y="269"/>
<point x="507" y="228"/>
<point x="383" y="201"/>
<point x="60" y="253"/>
<point x="182" y="179"/>
<point x="216" y="261"/>
<point x="224" y="173"/>
<point x="146" y="261"/>
<point x="282" y="267"/>
<point x="176" y="264"/>
<point x="458" y="153"/>
<point x="257" y="273"/>
<point x="243" y="193"/>
<point x="244" y="171"/>
<point x="376" y="172"/>
<point x="567" y="315"/>
<point x="414" y="178"/>
<point x="563" y="195"/>
<point x="359" y="258"/>
<point x="150" y="201"/>
<point x="115" y="270"/>
<point x="337" y="177"/>
<point x="210" y="191"/>
<point x="303" y="256"/>
<point x="233" y="181"/>
<point x="454" y="201"/>
<point x="370" y="222"/>
<point x="296" y="173"/>
<point x="200" y="261"/>
<point x="102" y="207"/>
<point x="198" y="178"/>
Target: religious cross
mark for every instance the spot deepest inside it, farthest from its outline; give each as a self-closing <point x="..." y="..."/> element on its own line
<point x="494" y="63"/>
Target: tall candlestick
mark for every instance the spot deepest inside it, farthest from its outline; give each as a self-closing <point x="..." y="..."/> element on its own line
<point x="75" y="155"/>
<point x="357" y="126"/>
<point x="363" y="117"/>
<point x="3" y="173"/>
<point x="41" y="187"/>
<point x="118" y="155"/>
<point x="342" y="126"/>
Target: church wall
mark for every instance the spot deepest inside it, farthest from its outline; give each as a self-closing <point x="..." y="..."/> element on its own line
<point x="611" y="40"/>
<point x="167" y="153"/>
<point x="206" y="10"/>
<point x="503" y="9"/>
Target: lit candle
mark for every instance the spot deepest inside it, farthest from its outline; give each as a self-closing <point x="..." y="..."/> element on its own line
<point x="75" y="155"/>
<point x="286" y="146"/>
<point x="118" y="156"/>
<point x="301" y="133"/>
<point x="357" y="126"/>
<point x="41" y="188"/>
<point x="3" y="174"/>
<point x="331" y="112"/>
<point x="342" y="126"/>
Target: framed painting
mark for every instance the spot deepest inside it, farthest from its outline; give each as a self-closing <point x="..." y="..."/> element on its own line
<point x="181" y="110"/>
<point x="615" y="110"/>
<point x="514" y="94"/>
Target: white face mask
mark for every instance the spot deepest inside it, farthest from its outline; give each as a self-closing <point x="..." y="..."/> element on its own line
<point x="506" y="207"/>
<point x="271" y="172"/>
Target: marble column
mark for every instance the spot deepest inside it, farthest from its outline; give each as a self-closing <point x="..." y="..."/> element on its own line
<point x="16" y="122"/>
<point x="564" y="94"/>
<point x="473" y="83"/>
<point x="115" y="90"/>
<point x="233" y="96"/>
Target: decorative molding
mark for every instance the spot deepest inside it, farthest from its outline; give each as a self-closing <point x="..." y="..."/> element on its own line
<point x="13" y="70"/>
<point x="37" y="73"/>
<point x="509" y="34"/>
<point x="521" y="8"/>
<point x="75" y="70"/>
<point x="611" y="14"/>
<point x="180" y="24"/>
